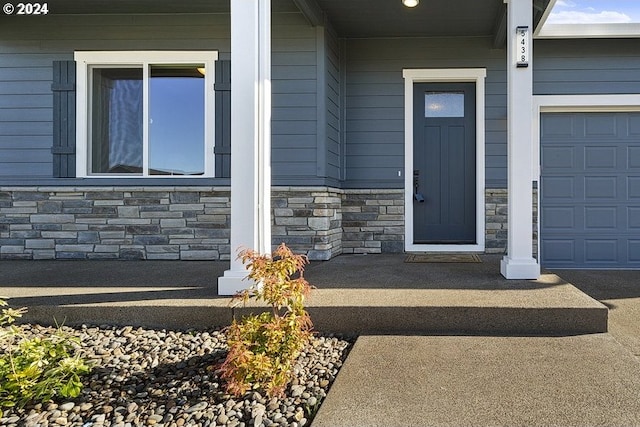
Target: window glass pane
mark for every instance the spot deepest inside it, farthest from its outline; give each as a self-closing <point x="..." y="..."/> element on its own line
<point x="116" y="120"/>
<point x="444" y="104"/>
<point x="176" y="120"/>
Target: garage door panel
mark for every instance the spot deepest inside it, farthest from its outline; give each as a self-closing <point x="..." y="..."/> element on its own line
<point x="633" y="184"/>
<point x="634" y="251"/>
<point x="633" y="157"/>
<point x="600" y="124"/>
<point x="554" y="126"/>
<point x="600" y="187"/>
<point x="559" y="218"/>
<point x="634" y="124"/>
<point x="633" y="218"/>
<point x="559" y="250"/>
<point x="559" y="187"/>
<point x="560" y="158"/>
<point x="590" y="190"/>
<point x="597" y="157"/>
<point x="601" y="218"/>
<point x="601" y="251"/>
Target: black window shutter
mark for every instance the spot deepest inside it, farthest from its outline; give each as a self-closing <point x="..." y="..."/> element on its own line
<point x="223" y="119"/>
<point x="64" y="119"/>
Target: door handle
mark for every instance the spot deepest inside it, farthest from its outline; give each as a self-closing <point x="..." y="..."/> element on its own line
<point x="417" y="196"/>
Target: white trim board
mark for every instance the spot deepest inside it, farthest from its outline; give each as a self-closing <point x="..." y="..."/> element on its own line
<point x="412" y="76"/>
<point x="582" y="31"/>
<point x="588" y="31"/>
<point x="543" y="19"/>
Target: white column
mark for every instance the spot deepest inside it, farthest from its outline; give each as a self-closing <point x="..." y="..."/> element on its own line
<point x="250" y="136"/>
<point x="519" y="262"/>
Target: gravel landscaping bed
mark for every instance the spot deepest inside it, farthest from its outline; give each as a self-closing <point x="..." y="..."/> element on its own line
<point x="164" y="378"/>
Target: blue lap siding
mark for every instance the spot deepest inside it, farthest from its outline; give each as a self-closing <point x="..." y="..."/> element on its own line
<point x="588" y="66"/>
<point x="338" y="104"/>
<point x="375" y="103"/>
<point x="29" y="48"/>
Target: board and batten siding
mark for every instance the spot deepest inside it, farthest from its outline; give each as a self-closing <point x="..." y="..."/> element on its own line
<point x="29" y="47"/>
<point x="375" y="103"/>
<point x="581" y="67"/>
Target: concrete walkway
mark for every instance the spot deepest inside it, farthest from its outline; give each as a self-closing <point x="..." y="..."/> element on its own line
<point x="391" y="381"/>
<point x="586" y="380"/>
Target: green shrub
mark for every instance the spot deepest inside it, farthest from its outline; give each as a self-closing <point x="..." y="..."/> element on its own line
<point x="37" y="368"/>
<point x="263" y="348"/>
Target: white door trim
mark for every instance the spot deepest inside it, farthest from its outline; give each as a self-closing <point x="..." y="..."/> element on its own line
<point x="411" y="76"/>
<point x="572" y="104"/>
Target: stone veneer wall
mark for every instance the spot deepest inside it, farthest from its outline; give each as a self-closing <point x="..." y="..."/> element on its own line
<point x="496" y="210"/>
<point x="308" y="220"/>
<point x="155" y="223"/>
<point x="373" y="221"/>
<point x="496" y="221"/>
<point x="192" y="223"/>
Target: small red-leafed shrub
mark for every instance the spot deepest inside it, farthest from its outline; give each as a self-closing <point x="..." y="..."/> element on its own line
<point x="263" y="348"/>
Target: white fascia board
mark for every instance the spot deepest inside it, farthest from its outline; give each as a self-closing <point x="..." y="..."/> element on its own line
<point x="544" y="18"/>
<point x="588" y="31"/>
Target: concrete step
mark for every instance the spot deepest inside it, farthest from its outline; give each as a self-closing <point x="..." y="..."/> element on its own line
<point x="557" y="310"/>
<point x="549" y="310"/>
<point x="391" y="298"/>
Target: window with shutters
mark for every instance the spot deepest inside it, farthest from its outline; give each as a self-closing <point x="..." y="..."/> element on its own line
<point x="148" y="114"/>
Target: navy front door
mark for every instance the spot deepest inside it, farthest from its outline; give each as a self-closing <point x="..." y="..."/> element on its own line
<point x="444" y="163"/>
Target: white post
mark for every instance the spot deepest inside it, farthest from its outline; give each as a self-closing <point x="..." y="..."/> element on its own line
<point x="250" y="136"/>
<point x="519" y="262"/>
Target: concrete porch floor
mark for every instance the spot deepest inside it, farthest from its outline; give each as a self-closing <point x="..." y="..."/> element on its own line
<point x="363" y="294"/>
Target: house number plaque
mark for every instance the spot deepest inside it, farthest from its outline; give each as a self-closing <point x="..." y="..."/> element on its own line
<point x="522" y="47"/>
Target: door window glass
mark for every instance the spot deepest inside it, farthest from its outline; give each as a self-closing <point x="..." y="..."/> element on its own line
<point x="444" y="104"/>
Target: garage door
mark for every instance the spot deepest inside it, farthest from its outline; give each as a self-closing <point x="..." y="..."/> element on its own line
<point x="590" y="190"/>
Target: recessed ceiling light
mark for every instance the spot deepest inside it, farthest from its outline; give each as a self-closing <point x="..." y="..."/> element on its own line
<point x="410" y="3"/>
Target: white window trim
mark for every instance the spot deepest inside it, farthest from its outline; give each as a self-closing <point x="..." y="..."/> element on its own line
<point x="572" y="104"/>
<point x="477" y="76"/>
<point x="85" y="59"/>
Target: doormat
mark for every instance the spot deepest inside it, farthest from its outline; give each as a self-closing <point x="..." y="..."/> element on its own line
<point x="443" y="258"/>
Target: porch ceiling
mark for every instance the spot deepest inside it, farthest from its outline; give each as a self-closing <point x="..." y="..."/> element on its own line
<point x="350" y="18"/>
<point x="431" y="18"/>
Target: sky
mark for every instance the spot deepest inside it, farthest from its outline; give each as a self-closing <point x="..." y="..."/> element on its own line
<point x="595" y="12"/>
